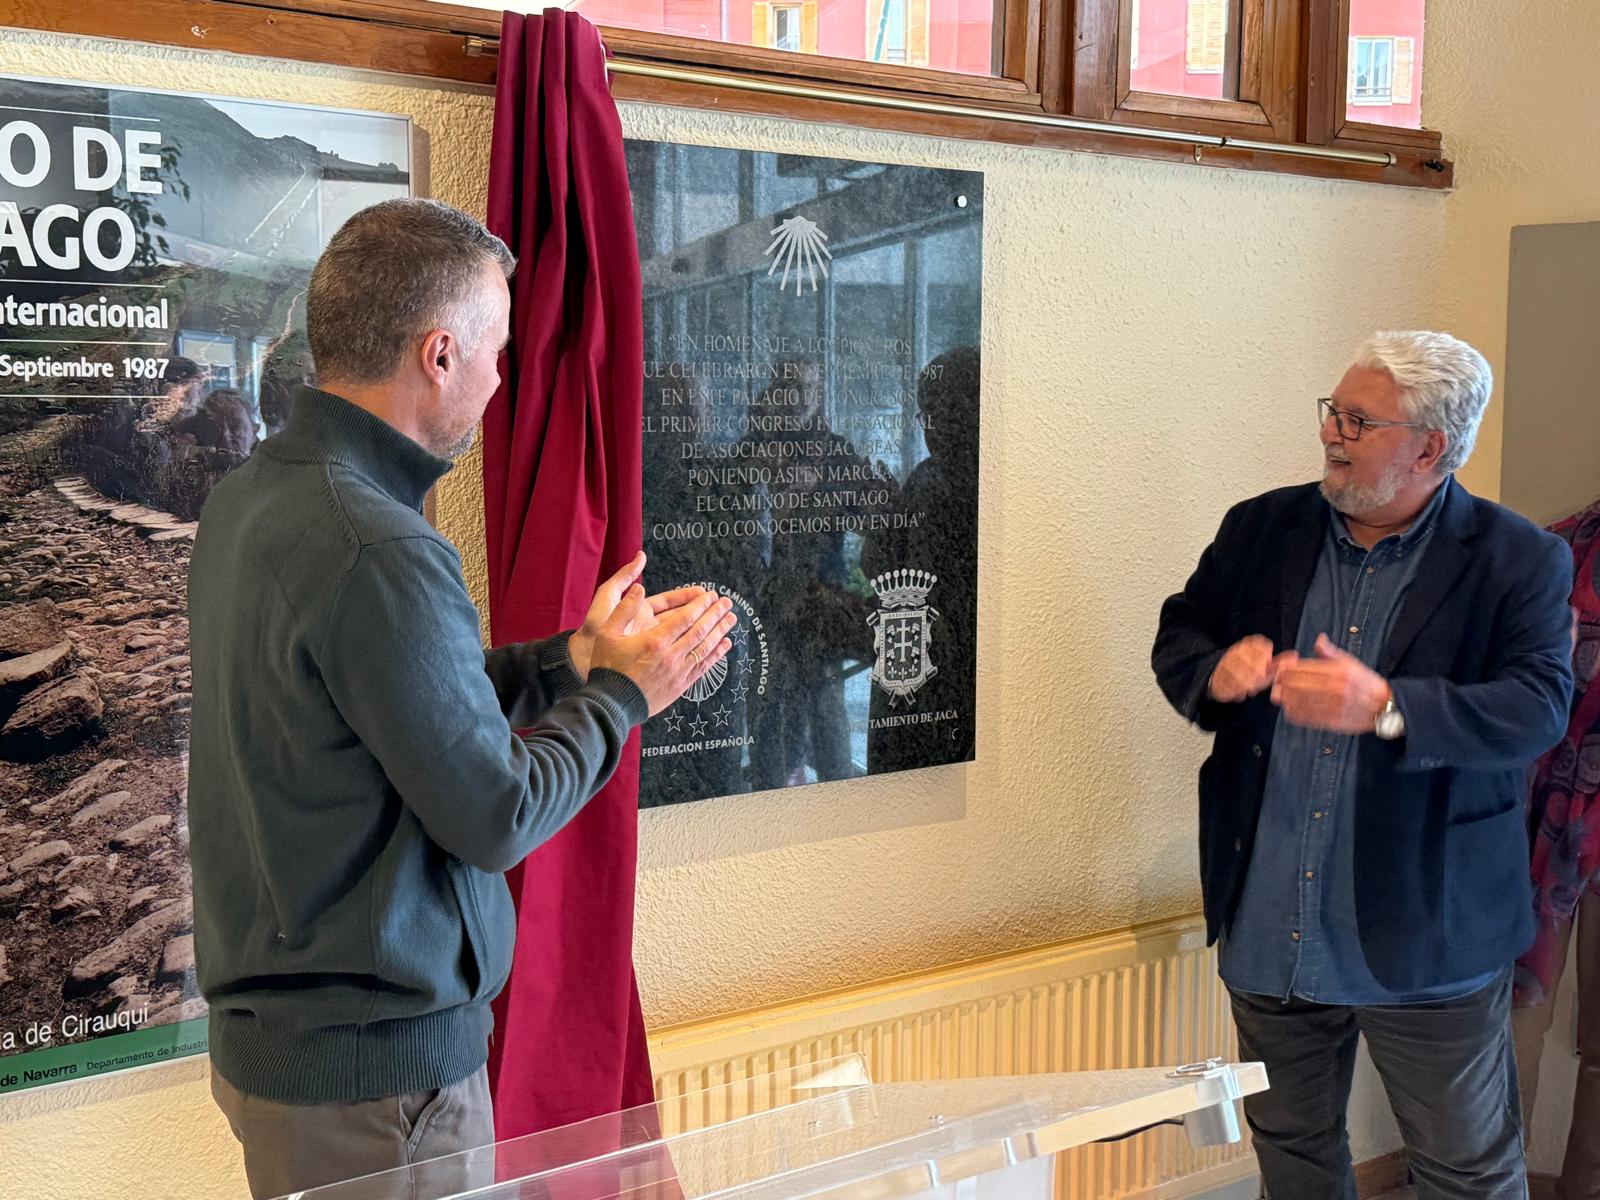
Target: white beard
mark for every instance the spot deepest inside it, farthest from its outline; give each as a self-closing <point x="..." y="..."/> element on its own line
<point x="1353" y="499"/>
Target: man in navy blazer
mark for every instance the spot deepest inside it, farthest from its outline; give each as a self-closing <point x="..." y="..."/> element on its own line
<point x="1380" y="658"/>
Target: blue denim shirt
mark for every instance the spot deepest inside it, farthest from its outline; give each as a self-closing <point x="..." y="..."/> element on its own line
<point x="1295" y="932"/>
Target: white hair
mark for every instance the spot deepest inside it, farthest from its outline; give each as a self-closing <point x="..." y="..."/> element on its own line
<point x="1443" y="384"/>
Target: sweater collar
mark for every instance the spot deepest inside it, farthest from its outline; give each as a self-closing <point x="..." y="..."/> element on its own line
<point x="322" y="425"/>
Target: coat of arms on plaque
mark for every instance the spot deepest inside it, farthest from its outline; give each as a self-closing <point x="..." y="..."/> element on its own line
<point x="902" y="631"/>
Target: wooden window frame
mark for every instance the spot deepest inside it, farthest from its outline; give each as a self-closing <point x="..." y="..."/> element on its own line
<point x="1327" y="70"/>
<point x="1016" y="88"/>
<point x="1261" y="67"/>
<point x="1062" y="77"/>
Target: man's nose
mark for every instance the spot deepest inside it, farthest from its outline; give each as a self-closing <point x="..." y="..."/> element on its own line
<point x="1329" y="433"/>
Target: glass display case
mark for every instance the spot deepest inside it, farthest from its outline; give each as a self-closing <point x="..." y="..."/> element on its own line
<point x="826" y="1130"/>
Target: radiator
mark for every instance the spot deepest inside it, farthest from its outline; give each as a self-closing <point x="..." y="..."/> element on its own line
<point x="1146" y="996"/>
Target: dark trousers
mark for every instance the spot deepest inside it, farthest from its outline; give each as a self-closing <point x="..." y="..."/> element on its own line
<point x="1449" y="1072"/>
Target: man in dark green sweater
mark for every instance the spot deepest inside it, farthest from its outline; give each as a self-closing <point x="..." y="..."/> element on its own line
<point x="355" y="787"/>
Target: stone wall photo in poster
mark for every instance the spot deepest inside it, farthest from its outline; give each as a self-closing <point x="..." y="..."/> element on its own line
<point x="811" y="408"/>
<point x="154" y="254"/>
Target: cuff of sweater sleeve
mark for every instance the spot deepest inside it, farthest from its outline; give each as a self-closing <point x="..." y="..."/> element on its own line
<point x="621" y="691"/>
<point x="555" y="663"/>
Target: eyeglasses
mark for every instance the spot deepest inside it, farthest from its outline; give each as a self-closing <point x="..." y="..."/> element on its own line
<point x="1351" y="427"/>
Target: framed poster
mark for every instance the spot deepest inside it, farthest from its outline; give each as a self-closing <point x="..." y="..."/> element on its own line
<point x="811" y="409"/>
<point x="155" y="249"/>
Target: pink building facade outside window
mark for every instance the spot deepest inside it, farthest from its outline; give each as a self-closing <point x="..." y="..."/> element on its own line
<point x="1178" y="45"/>
<point x="1166" y="58"/>
<point x="945" y="35"/>
<point x="1385" y="76"/>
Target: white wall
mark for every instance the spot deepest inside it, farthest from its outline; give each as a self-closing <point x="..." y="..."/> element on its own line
<point x="1154" y="337"/>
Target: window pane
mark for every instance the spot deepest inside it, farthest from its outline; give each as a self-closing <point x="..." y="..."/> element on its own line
<point x="1385" y="79"/>
<point x="1180" y="47"/>
<point x="786" y="27"/>
<point x="889" y="37"/>
<point x="946" y="35"/>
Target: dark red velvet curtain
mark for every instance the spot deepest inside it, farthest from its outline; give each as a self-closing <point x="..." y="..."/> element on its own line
<point x="561" y="491"/>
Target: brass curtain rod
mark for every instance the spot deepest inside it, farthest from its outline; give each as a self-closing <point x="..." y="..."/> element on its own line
<point x="486" y="47"/>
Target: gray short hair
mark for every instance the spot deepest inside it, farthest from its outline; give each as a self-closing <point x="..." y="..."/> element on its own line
<point x="393" y="272"/>
<point x="1444" y="384"/>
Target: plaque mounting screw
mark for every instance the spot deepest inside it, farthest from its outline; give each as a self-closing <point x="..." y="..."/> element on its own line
<point x="961" y="201"/>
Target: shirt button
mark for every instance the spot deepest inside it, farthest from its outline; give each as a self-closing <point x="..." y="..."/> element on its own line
<point x="1327" y="749"/>
<point x="1295" y="936"/>
<point x="1256" y="749"/>
<point x="1316" y="816"/>
<point x="1371" y="570"/>
<point x="1355" y="629"/>
<point x="1238" y="845"/>
<point x="1311" y="874"/>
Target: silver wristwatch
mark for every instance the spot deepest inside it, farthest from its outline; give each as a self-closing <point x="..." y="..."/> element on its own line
<point x="1390" y="723"/>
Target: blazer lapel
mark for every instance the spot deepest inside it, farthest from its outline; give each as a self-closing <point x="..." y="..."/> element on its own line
<point x="1446" y="557"/>
<point x="1298" y="565"/>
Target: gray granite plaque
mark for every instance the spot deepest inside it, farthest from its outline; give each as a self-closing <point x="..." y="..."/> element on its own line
<point x="811" y="450"/>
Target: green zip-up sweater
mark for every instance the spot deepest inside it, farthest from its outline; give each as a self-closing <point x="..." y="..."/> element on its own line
<point x="355" y="787"/>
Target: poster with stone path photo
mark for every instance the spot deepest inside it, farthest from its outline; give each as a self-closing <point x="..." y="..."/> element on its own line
<point x="154" y="254"/>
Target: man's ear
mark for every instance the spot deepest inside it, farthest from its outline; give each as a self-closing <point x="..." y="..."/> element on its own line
<point x="1434" y="444"/>
<point x="436" y="355"/>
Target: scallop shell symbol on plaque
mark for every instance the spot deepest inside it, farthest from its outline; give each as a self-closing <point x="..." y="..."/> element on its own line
<point x="800" y="247"/>
<point x="706" y="686"/>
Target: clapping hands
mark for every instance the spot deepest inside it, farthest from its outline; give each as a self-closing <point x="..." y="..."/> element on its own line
<point x="1329" y="689"/>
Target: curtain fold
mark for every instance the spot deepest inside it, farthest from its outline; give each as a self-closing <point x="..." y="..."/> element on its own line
<point x="561" y="489"/>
